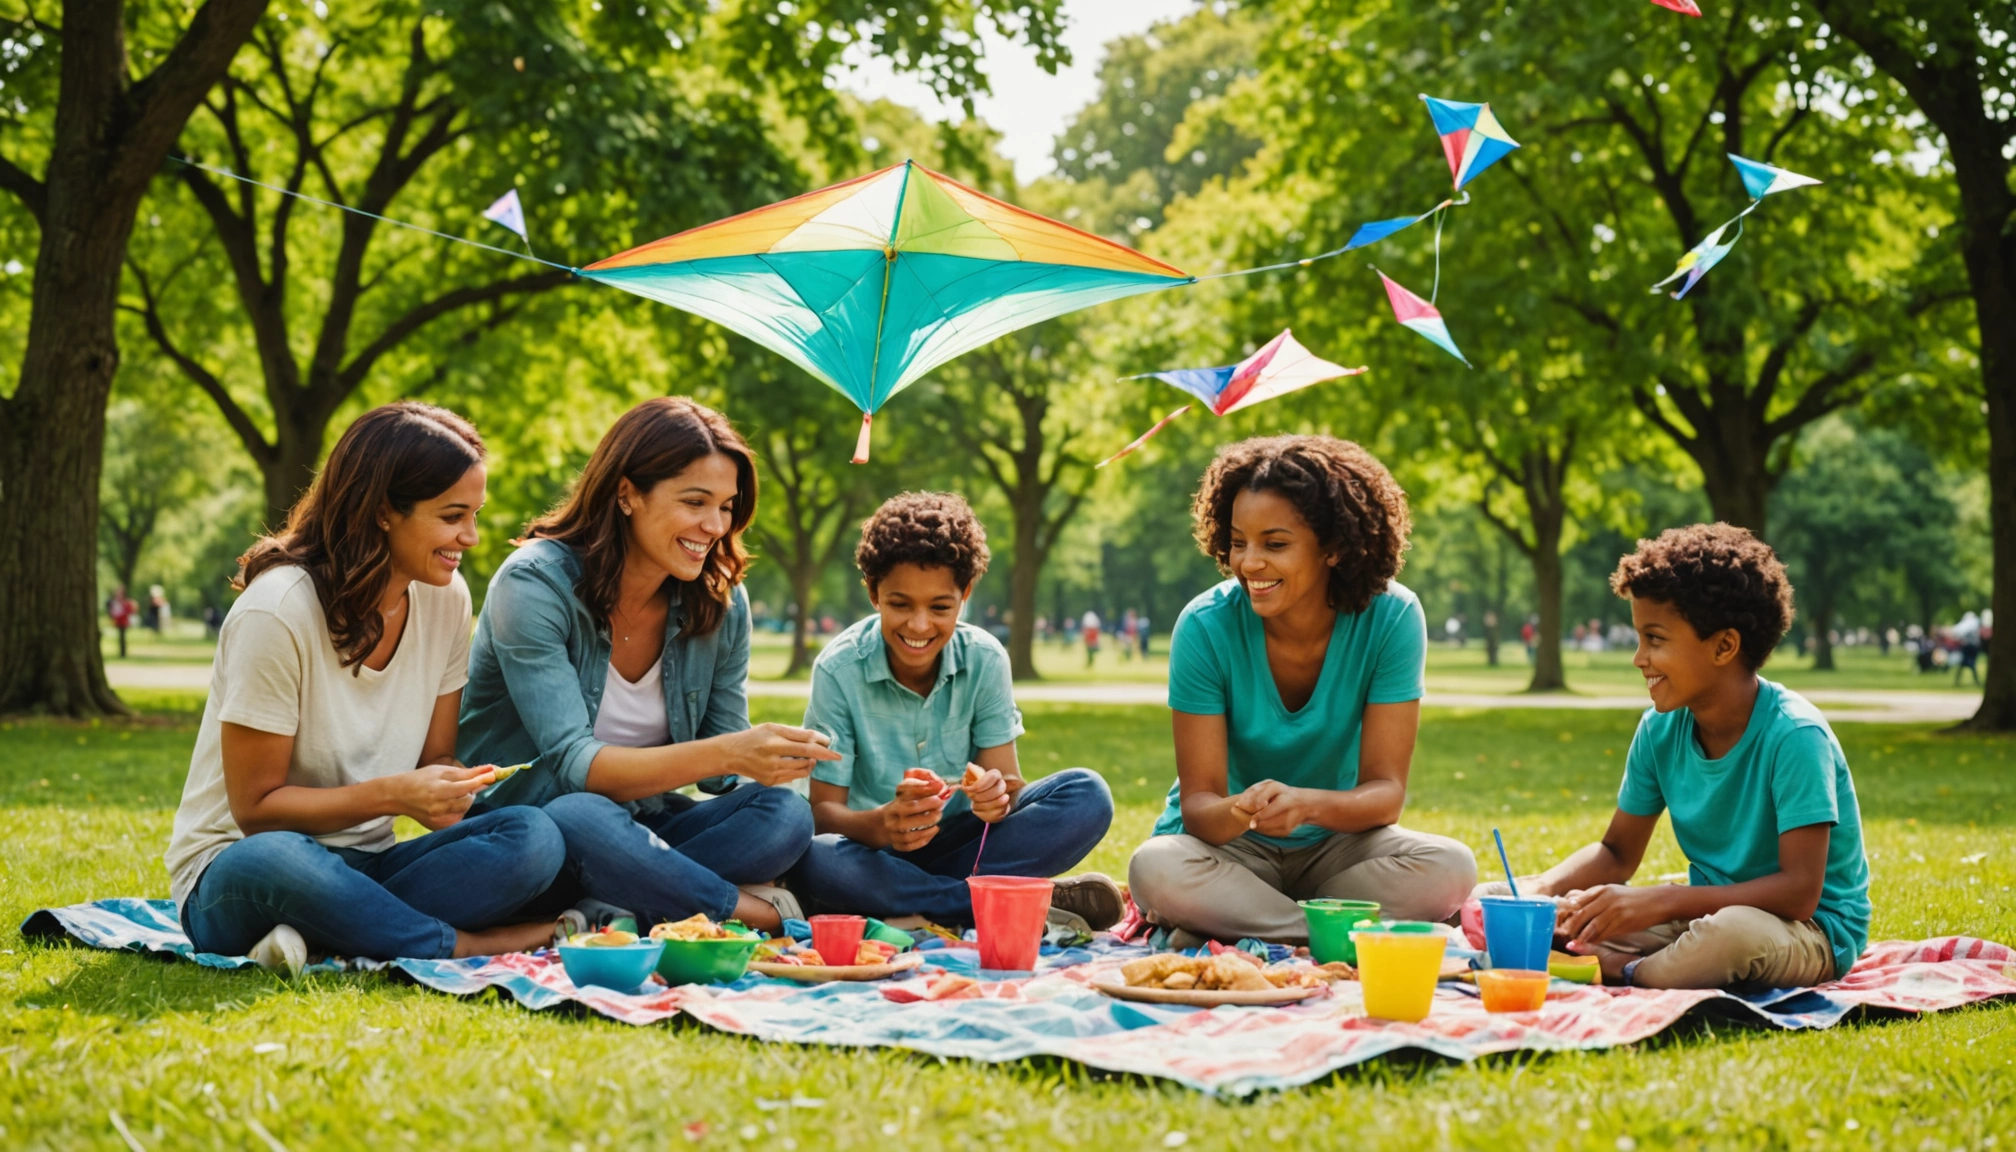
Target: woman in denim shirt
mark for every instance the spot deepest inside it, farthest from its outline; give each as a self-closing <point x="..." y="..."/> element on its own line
<point x="611" y="655"/>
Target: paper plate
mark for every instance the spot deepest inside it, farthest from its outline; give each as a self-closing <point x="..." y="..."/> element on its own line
<point x="824" y="973"/>
<point x="1116" y="986"/>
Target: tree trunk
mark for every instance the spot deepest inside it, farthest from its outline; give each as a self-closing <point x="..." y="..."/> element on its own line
<point x="1737" y="479"/>
<point x="804" y="575"/>
<point x="108" y="141"/>
<point x="1547" y="580"/>
<point x="1990" y="251"/>
<point x="291" y="468"/>
<point x="1022" y="580"/>
<point x="1823" y="641"/>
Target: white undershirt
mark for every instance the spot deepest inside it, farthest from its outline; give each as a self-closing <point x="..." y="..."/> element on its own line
<point x="633" y="715"/>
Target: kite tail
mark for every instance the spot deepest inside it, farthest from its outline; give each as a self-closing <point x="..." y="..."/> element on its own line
<point x="861" y="442"/>
<point x="1143" y="438"/>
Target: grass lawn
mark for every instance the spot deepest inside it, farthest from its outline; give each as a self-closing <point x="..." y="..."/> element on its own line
<point x="192" y="1058"/>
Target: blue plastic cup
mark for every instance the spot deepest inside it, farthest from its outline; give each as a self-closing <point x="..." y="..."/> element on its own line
<point x="1518" y="931"/>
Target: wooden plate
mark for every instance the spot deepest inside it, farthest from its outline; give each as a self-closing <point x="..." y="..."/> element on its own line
<point x="824" y="973"/>
<point x="1114" y="985"/>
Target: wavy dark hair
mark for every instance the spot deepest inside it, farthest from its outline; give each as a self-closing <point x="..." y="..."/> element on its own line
<point x="928" y="529"/>
<point x="654" y="441"/>
<point x="1716" y="576"/>
<point x="1345" y="495"/>
<point x="392" y="457"/>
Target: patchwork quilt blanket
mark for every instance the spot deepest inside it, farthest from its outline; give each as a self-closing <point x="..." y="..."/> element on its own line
<point x="1054" y="1011"/>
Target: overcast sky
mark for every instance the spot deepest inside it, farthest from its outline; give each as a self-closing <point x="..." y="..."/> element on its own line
<point x="1028" y="106"/>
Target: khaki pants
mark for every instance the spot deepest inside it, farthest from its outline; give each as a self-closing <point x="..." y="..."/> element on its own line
<point x="1249" y="887"/>
<point x="1736" y="947"/>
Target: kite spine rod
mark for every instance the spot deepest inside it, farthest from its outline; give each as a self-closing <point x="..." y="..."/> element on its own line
<point x="230" y="175"/>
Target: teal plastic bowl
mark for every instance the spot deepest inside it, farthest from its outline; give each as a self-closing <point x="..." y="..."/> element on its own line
<point x="623" y="969"/>
<point x="706" y="961"/>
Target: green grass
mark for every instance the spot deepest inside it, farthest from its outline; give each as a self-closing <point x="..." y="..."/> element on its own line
<point x="185" y="1056"/>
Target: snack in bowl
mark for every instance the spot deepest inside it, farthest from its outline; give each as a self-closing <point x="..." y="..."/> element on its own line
<point x="699" y="951"/>
<point x="603" y="938"/>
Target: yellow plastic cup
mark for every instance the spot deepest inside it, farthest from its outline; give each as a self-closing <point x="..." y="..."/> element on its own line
<point x="1398" y="971"/>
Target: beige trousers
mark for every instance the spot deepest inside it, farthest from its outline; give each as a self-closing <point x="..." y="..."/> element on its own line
<point x="1249" y="887"/>
<point x="1739" y="946"/>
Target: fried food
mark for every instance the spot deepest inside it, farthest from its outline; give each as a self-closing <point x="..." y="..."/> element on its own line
<point x="1233" y="972"/>
<point x="694" y="927"/>
<point x="606" y="938"/>
<point x="1178" y="981"/>
<point x="922" y="782"/>
<point x="1152" y="971"/>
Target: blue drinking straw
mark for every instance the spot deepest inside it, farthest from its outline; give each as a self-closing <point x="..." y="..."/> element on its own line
<point x="1507" y="863"/>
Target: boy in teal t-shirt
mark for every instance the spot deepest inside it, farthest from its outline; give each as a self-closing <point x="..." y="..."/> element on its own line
<point x="1759" y="791"/>
<point x="913" y="688"/>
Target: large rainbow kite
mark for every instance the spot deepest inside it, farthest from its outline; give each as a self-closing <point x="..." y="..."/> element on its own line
<point x="871" y="283"/>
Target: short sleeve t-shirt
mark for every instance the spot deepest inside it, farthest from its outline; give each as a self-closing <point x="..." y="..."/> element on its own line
<point x="880" y="727"/>
<point x="1218" y="667"/>
<point x="1788" y="771"/>
<point x="278" y="671"/>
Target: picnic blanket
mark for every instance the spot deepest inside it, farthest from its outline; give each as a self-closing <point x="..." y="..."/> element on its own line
<point x="1055" y="1012"/>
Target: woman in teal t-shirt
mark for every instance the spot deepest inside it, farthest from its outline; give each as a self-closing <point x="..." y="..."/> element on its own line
<point x="1296" y="688"/>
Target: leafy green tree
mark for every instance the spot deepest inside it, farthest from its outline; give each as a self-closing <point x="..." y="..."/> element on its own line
<point x="1625" y="118"/>
<point x="1954" y="61"/>
<point x="1857" y="505"/>
<point x="93" y="103"/>
<point x="427" y="112"/>
<point x="151" y="467"/>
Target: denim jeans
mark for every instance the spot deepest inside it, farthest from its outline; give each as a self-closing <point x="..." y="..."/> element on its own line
<point x="406" y="901"/>
<point x="688" y="858"/>
<point x="1056" y="821"/>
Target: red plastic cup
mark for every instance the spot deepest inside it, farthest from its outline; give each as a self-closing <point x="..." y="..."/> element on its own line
<point x="837" y="939"/>
<point x="1009" y="912"/>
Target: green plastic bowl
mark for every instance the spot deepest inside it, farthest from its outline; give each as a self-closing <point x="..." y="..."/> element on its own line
<point x="706" y="961"/>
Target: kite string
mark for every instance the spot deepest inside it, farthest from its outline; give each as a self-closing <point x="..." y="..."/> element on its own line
<point x="230" y="175"/>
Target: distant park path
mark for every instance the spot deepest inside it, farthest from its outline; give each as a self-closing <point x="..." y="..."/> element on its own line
<point x="1843" y="706"/>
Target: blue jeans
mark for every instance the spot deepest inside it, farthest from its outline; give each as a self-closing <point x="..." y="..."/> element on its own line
<point x="688" y="858"/>
<point x="1055" y="823"/>
<point x="405" y="901"/>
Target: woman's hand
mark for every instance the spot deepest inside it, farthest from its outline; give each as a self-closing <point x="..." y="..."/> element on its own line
<point x="437" y="795"/>
<point x="989" y="792"/>
<point x="775" y="753"/>
<point x="1274" y="809"/>
<point x="1593" y="915"/>
<point x="911" y="820"/>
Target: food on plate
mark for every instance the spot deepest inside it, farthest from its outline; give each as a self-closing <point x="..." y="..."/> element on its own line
<point x="695" y="927"/>
<point x="606" y="938"/>
<point x="1228" y="971"/>
<point x="875" y="952"/>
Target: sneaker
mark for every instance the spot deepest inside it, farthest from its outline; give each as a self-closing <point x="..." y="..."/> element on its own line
<point x="1093" y="896"/>
<point x="281" y="951"/>
<point x="779" y="898"/>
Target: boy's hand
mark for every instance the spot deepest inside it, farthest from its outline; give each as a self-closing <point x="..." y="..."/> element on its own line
<point x="988" y="790"/>
<point x="1593" y="915"/>
<point x="1273" y="808"/>
<point x="911" y="820"/>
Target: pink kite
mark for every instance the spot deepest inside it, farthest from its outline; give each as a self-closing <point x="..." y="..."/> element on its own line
<point x="1684" y="7"/>
<point x="1420" y="315"/>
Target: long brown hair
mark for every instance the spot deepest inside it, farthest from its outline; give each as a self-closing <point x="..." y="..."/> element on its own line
<point x="654" y="441"/>
<point x="393" y="457"/>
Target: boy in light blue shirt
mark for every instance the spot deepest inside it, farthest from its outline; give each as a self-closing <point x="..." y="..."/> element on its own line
<point x="921" y="710"/>
<point x="1759" y="790"/>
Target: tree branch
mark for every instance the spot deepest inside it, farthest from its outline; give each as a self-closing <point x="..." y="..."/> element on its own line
<point x="30" y="191"/>
<point x="234" y="415"/>
<point x="353" y="373"/>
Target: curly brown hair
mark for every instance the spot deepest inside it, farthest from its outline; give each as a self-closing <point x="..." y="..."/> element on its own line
<point x="1716" y="576"/>
<point x="1345" y="495"/>
<point x="928" y="529"/>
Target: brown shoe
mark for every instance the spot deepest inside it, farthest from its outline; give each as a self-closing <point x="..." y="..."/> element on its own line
<point x="1092" y="896"/>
